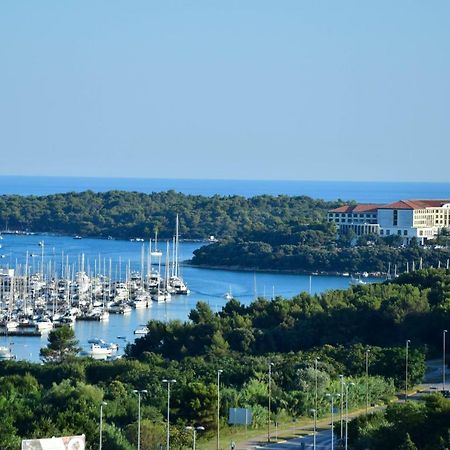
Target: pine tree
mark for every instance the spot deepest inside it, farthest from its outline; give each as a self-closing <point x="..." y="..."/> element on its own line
<point x="407" y="444"/>
<point x="61" y="346"/>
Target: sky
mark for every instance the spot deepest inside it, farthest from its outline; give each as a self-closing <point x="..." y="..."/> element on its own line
<point x="231" y="89"/>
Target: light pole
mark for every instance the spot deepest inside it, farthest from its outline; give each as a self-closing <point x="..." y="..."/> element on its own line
<point x="316" y="393"/>
<point x="169" y="382"/>
<point x="194" y="431"/>
<point x="347" y="386"/>
<point x="408" y="341"/>
<point x="139" y="393"/>
<point x="316" y="380"/>
<point x="332" y="397"/>
<point x="444" y="333"/>
<point x="270" y="400"/>
<point x="219" y="372"/>
<point x="315" y="422"/>
<point x="367" y="380"/>
<point x="341" y="408"/>
<point x="102" y="404"/>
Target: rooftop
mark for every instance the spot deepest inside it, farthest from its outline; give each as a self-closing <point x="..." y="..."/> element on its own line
<point x="401" y="204"/>
<point x="361" y="208"/>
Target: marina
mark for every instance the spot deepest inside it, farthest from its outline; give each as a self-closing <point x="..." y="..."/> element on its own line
<point x="110" y="289"/>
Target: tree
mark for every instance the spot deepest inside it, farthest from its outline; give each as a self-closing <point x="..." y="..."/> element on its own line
<point x="407" y="444"/>
<point x="62" y="345"/>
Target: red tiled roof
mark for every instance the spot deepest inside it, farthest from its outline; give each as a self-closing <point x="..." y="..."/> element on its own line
<point x="401" y="204"/>
<point x="357" y="208"/>
<point x="415" y="204"/>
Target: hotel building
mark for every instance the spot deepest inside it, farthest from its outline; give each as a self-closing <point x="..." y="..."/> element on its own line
<point x="421" y="219"/>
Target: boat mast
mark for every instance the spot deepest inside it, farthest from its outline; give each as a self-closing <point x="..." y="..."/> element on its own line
<point x="176" y="246"/>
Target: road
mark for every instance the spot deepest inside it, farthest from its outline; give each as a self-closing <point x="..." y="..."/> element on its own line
<point x="323" y="442"/>
<point x="432" y="383"/>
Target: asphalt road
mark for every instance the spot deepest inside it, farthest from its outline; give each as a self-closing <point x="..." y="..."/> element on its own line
<point x="323" y="442"/>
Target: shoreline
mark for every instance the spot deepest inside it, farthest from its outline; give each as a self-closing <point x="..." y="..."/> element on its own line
<point x="100" y="238"/>
<point x="281" y="271"/>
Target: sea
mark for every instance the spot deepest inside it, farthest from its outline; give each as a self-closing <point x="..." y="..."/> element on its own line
<point x="208" y="285"/>
<point x="361" y="191"/>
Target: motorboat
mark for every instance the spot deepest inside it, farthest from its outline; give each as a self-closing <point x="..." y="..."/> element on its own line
<point x="11" y="325"/>
<point x="100" y="342"/>
<point x="6" y="354"/>
<point x="44" y="325"/>
<point x="141" y="331"/>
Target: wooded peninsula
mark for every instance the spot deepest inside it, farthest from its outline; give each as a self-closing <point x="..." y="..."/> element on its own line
<point x="279" y="233"/>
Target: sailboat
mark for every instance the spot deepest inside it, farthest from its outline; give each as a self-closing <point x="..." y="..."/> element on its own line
<point x="228" y="295"/>
<point x="158" y="296"/>
<point x="176" y="282"/>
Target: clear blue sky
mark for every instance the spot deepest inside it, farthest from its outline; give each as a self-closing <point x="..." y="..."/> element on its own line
<point x="339" y="90"/>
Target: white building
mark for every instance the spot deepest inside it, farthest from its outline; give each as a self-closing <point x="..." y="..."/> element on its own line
<point x="420" y="219"/>
<point x="362" y="219"/>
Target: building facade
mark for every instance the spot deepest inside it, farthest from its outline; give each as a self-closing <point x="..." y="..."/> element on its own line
<point x="419" y="219"/>
<point x="362" y="219"/>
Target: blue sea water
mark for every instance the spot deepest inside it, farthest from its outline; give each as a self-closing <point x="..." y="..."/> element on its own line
<point x="362" y="191"/>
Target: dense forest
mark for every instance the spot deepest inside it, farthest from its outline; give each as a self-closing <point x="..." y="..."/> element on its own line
<point x="413" y="307"/>
<point x="131" y="214"/>
<point x="307" y="339"/>
<point x="404" y="426"/>
<point x="320" y="255"/>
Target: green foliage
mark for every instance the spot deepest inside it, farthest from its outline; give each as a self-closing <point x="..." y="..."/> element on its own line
<point x="62" y="345"/>
<point x="412" y="425"/>
<point x="378" y="315"/>
<point x="132" y="214"/>
<point x="326" y="254"/>
<point x="337" y="327"/>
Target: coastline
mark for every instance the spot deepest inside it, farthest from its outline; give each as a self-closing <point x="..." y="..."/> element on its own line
<point x="102" y="238"/>
<point x="278" y="271"/>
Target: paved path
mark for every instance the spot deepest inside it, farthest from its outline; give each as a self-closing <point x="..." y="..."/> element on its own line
<point x="323" y="442"/>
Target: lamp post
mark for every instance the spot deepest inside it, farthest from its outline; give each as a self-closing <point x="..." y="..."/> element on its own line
<point x="408" y="341"/>
<point x="332" y="397"/>
<point x="168" y="382"/>
<point x="347" y="386"/>
<point x="444" y="333"/>
<point x="270" y="401"/>
<point x="194" y="431"/>
<point x="316" y="381"/>
<point x="102" y="404"/>
<point x="315" y="423"/>
<point x="219" y="372"/>
<point x="316" y="391"/>
<point x="139" y="393"/>
<point x="341" y="408"/>
<point x="367" y="380"/>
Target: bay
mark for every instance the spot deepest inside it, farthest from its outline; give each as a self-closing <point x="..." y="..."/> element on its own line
<point x="207" y="285"/>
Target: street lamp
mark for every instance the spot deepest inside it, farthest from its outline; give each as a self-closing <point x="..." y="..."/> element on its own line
<point x="316" y="389"/>
<point x="444" y="333"/>
<point x="270" y="400"/>
<point x="332" y="397"/>
<point x="367" y="380"/>
<point x="102" y="404"/>
<point x="347" y="386"/>
<point x="314" y="411"/>
<point x="169" y="382"/>
<point x="139" y="393"/>
<point x="194" y="431"/>
<point x="341" y="408"/>
<point x="408" y="341"/>
<point x="219" y="372"/>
